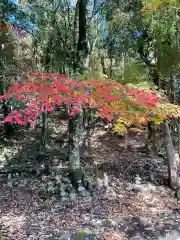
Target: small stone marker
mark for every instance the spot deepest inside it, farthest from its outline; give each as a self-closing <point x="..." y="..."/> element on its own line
<point x="81" y="188"/>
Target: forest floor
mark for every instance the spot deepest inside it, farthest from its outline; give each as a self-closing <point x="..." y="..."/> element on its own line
<point x="116" y="214"/>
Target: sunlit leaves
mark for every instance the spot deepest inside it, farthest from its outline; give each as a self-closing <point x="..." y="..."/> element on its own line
<point x="110" y="98"/>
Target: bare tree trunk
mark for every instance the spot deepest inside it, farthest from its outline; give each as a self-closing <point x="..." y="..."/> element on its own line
<point x="103" y="64"/>
<point x="172" y="163"/>
<point x="177" y="123"/>
<point x="44" y="131"/>
<point x="76" y="123"/>
<point x="75" y="36"/>
<point x="178" y="129"/>
<point x="82" y="46"/>
<point x="151" y="141"/>
<point x="171" y="89"/>
<point x="75" y="132"/>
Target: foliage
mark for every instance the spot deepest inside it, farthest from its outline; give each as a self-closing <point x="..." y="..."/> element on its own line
<point x="163" y="110"/>
<point x="111" y="99"/>
<point x="162" y="20"/>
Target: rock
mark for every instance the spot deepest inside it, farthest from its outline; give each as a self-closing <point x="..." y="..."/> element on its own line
<point x="64" y="199"/>
<point x="174" y="234"/>
<point x="9" y="184"/>
<point x="106" y="181"/>
<point x="138" y="237"/>
<point x="44" y="178"/>
<point x="81" y="188"/>
<point x="87" y="199"/>
<point x="66" y="180"/>
<point x="139" y="188"/>
<point x="62" y="193"/>
<point x="137" y="180"/>
<point x="84" y="193"/>
<point x="99" y="184"/>
<point x="72" y="196"/>
<point x="9" y="176"/>
<point x="96" y="223"/>
<point x="144" y="222"/>
<point x="89" y="185"/>
<point x="150" y="187"/>
<point x="58" y="179"/>
<point x="65" y="237"/>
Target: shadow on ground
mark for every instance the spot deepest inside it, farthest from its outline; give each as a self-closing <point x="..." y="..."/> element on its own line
<point x="118" y="213"/>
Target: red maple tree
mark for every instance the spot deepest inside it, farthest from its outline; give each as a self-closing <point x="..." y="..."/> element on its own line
<point x="59" y="89"/>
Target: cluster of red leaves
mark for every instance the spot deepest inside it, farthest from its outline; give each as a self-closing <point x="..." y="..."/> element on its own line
<point x="60" y="89"/>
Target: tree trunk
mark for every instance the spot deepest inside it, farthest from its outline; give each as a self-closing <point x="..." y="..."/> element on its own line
<point x="103" y="64"/>
<point x="82" y="46"/>
<point x="171" y="89"/>
<point x="76" y="123"/>
<point x="152" y="138"/>
<point x="44" y="131"/>
<point x="75" y="133"/>
<point x="172" y="164"/>
<point x="178" y="130"/>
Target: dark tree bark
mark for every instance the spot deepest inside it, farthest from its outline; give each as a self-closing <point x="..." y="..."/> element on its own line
<point x="75" y="133"/>
<point x="76" y="123"/>
<point x="82" y="46"/>
<point x="151" y="142"/>
<point x="172" y="161"/>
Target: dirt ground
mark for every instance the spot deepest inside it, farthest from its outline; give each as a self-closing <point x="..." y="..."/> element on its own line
<point x="115" y="214"/>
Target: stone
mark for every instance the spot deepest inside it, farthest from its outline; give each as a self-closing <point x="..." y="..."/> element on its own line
<point x="62" y="193"/>
<point x="144" y="222"/>
<point x="97" y="223"/>
<point x="99" y="184"/>
<point x="137" y="180"/>
<point x="44" y="178"/>
<point x="89" y="185"/>
<point x="139" y="188"/>
<point x="151" y="188"/>
<point x="138" y="237"/>
<point x="174" y="234"/>
<point x="66" y="180"/>
<point x="64" y="199"/>
<point x="9" y="184"/>
<point x="106" y="180"/>
<point x="58" y="179"/>
<point x="81" y="188"/>
<point x="72" y="196"/>
<point x="87" y="199"/>
<point x="65" y="237"/>
<point x="84" y="193"/>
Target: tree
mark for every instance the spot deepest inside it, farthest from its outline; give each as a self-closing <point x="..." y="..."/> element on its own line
<point x="109" y="98"/>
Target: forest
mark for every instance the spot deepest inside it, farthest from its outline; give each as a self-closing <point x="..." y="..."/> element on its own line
<point x="89" y="119"/>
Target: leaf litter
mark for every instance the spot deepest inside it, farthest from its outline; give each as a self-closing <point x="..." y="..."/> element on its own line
<point x="113" y="214"/>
